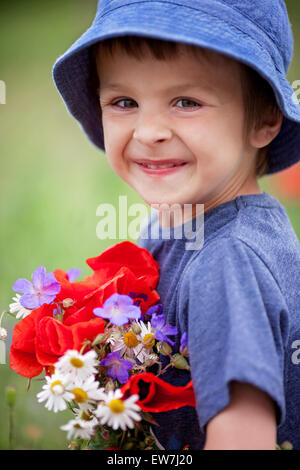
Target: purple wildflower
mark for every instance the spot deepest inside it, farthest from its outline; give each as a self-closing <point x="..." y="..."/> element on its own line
<point x="183" y="344"/>
<point x="154" y="309"/>
<point x="118" y="309"/>
<point x="162" y="329"/>
<point x="73" y="274"/>
<point x="42" y="290"/>
<point x="117" y="368"/>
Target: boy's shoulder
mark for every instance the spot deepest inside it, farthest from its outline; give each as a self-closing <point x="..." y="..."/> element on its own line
<point x="259" y="228"/>
<point x="257" y="252"/>
<point x="257" y="221"/>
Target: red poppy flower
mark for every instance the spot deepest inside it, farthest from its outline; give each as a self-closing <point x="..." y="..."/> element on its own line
<point x="40" y="338"/>
<point x="157" y="395"/>
<point x="125" y="254"/>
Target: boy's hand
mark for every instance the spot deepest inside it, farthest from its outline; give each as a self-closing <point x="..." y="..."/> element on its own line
<point x="247" y="423"/>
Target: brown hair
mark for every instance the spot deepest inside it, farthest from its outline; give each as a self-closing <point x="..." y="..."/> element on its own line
<point x="259" y="97"/>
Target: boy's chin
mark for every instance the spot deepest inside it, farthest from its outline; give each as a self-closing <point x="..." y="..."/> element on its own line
<point x="163" y="204"/>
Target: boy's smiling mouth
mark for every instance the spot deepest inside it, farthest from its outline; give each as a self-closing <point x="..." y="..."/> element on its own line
<point x="157" y="162"/>
<point x="160" y="167"/>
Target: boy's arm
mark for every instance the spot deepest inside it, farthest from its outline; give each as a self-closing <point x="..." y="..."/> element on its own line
<point x="248" y="422"/>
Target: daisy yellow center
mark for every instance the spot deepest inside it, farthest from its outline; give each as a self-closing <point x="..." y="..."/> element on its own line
<point x="86" y="416"/>
<point x="80" y="395"/>
<point x="57" y="387"/>
<point x="117" y="406"/>
<point x="130" y="339"/>
<point x="148" y="341"/>
<point x="76" y="362"/>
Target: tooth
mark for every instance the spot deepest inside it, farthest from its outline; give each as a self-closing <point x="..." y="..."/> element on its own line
<point x="160" y="166"/>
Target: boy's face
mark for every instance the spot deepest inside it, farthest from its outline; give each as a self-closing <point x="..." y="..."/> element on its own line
<point x="202" y="125"/>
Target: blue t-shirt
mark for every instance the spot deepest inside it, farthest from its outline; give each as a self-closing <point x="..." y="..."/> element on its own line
<point x="238" y="299"/>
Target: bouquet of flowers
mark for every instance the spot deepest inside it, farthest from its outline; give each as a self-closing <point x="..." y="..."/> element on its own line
<point x="95" y="340"/>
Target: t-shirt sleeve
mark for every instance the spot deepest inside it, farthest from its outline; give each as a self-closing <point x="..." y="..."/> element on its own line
<point x="237" y="323"/>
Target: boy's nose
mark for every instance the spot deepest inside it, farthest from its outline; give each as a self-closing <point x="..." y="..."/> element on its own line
<point x="150" y="132"/>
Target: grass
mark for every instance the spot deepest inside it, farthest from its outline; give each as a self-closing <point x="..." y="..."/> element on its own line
<point x="52" y="181"/>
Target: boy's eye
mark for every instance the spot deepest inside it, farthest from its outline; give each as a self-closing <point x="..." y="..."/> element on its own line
<point x="187" y="100"/>
<point x="184" y="100"/>
<point x="116" y="103"/>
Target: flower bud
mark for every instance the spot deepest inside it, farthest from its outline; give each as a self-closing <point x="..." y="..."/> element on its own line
<point x="98" y="339"/>
<point x="184" y="352"/>
<point x="109" y="386"/>
<point x="165" y="348"/>
<point x="180" y="362"/>
<point x="10" y="395"/>
<point x="115" y="334"/>
<point x="286" y="445"/>
<point x="68" y="303"/>
<point x="3" y="334"/>
<point x="135" y="328"/>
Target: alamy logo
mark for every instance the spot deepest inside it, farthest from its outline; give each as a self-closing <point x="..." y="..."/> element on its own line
<point x="296" y="354"/>
<point x="2" y="92"/>
<point x="128" y="222"/>
<point x="296" y="94"/>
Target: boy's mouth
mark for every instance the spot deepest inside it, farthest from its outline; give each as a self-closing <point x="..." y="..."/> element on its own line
<point x="160" y="163"/>
<point x="160" y="167"/>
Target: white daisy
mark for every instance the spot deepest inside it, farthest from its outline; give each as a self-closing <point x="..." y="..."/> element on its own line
<point x="76" y="365"/>
<point x="17" y="307"/>
<point x="118" y="413"/>
<point x="86" y="414"/>
<point x="147" y="335"/>
<point x="136" y="345"/>
<point x="126" y="342"/>
<point x="79" y="429"/>
<point x="86" y="392"/>
<point x="56" y="393"/>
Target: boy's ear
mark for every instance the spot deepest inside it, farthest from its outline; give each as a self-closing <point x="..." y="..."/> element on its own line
<point x="267" y="132"/>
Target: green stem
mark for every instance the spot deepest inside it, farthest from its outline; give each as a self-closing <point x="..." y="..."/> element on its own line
<point x="2" y="315"/>
<point x="164" y="370"/>
<point x="122" y="440"/>
<point x="11" y="427"/>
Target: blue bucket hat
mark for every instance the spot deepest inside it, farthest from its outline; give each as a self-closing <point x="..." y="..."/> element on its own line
<point x="255" y="32"/>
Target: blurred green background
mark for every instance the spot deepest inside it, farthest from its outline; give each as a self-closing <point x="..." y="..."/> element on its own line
<point x="53" y="179"/>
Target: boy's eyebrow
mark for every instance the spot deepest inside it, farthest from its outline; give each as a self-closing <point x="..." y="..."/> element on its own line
<point x="117" y="86"/>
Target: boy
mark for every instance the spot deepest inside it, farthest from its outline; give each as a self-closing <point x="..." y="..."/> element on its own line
<point x="237" y="297"/>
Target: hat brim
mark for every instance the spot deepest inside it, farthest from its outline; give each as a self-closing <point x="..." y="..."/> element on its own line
<point x="72" y="72"/>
